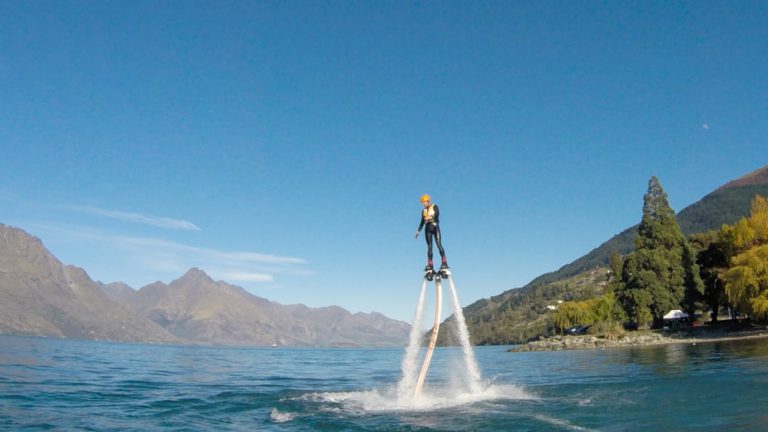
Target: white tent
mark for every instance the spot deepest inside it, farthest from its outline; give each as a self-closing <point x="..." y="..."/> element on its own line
<point x="675" y="314"/>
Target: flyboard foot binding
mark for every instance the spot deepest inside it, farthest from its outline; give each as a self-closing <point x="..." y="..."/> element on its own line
<point x="444" y="272"/>
<point x="429" y="273"/>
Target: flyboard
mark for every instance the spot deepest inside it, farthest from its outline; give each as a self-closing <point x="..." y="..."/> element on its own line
<point x="437" y="276"/>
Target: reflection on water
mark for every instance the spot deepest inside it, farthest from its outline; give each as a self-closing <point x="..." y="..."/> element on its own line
<point x="664" y="359"/>
<point x="678" y="358"/>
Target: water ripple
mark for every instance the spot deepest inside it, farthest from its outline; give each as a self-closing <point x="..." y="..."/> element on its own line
<point x="80" y="385"/>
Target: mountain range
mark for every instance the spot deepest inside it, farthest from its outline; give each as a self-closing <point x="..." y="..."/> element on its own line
<point x="40" y="296"/>
<point x="520" y="313"/>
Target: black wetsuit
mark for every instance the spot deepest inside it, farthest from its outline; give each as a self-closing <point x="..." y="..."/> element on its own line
<point x="430" y="217"/>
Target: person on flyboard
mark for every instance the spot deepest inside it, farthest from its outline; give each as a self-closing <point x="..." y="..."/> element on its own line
<point x="430" y="218"/>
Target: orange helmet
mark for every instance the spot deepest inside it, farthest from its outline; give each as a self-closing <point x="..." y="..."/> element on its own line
<point x="425" y="198"/>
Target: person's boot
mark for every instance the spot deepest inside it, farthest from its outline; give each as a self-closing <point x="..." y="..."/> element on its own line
<point x="444" y="271"/>
<point x="429" y="272"/>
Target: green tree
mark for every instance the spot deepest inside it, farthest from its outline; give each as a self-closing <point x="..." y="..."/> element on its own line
<point x="693" y="298"/>
<point x="603" y="309"/>
<point x="713" y="257"/>
<point x="570" y="314"/>
<point x="658" y="228"/>
<point x="614" y="279"/>
<point x="653" y="275"/>
<point x="607" y="309"/>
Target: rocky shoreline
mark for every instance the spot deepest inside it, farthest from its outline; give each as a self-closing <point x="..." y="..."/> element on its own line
<point x="645" y="338"/>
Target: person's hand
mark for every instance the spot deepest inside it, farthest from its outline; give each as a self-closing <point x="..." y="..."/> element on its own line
<point x="417" y="234"/>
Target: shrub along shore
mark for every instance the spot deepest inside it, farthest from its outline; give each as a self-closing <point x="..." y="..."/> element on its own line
<point x="640" y="338"/>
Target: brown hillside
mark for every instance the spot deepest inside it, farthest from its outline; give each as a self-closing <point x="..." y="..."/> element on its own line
<point x="40" y="296"/>
<point x="757" y="177"/>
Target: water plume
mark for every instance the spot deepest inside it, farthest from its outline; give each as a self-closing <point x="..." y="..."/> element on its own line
<point x="469" y="380"/>
<point x="472" y="369"/>
<point x="409" y="364"/>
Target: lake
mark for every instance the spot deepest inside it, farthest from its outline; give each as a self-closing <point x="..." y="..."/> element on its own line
<point x="50" y="384"/>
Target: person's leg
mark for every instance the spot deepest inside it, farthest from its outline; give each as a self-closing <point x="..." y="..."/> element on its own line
<point x="429" y="233"/>
<point x="439" y="241"/>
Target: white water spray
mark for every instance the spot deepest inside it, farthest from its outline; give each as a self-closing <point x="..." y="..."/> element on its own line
<point x="470" y="362"/>
<point x="432" y="338"/>
<point x="405" y="399"/>
<point x="408" y="366"/>
<point x="408" y="385"/>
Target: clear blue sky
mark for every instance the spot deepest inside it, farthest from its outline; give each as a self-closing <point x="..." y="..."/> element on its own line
<point x="283" y="146"/>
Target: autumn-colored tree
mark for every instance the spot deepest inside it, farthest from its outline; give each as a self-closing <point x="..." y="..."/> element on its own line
<point x="758" y="219"/>
<point x="746" y="281"/>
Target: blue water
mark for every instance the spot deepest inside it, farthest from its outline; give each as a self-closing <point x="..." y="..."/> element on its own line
<point x="48" y="384"/>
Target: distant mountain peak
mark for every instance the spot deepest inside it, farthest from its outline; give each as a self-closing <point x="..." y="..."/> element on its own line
<point x="39" y="296"/>
<point x="18" y="241"/>
<point x="118" y="291"/>
<point x="22" y="252"/>
<point x="120" y="285"/>
<point x="196" y="274"/>
<point x="756" y="177"/>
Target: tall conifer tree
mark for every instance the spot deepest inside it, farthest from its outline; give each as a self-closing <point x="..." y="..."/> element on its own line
<point x="654" y="275"/>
